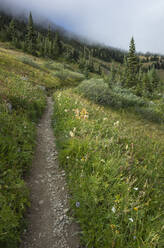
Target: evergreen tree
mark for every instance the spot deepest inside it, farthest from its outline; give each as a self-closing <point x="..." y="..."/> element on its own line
<point x="154" y="80"/>
<point x="132" y="65"/>
<point x="57" y="46"/>
<point x="49" y="35"/>
<point x="40" y="44"/>
<point x="31" y="37"/>
<point x="12" y="31"/>
<point x="113" y="73"/>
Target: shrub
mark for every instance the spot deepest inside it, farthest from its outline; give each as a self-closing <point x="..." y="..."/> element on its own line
<point x="120" y="98"/>
<point x="98" y="91"/>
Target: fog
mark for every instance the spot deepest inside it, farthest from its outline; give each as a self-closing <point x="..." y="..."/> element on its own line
<point x="110" y="22"/>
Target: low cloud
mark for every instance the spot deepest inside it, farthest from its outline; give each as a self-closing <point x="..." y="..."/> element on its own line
<point x="111" y="22"/>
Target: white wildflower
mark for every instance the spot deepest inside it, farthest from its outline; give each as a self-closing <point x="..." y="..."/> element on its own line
<point x="116" y="123"/>
<point x="131" y="219"/>
<point x="71" y="134"/>
<point x="113" y="209"/>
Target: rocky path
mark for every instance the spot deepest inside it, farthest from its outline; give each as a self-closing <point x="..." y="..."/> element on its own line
<point x="49" y="226"/>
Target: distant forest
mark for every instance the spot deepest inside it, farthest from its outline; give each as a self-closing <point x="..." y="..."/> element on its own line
<point x="50" y="42"/>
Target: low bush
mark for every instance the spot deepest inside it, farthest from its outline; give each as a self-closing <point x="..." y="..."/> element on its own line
<point x="69" y="78"/>
<point x="97" y="90"/>
<point x="28" y="61"/>
<point x="120" y="98"/>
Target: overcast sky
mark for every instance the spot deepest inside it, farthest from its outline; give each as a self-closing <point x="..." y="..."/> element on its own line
<point x="112" y="22"/>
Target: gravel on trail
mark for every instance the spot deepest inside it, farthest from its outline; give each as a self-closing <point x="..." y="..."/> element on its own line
<point x="49" y="226"/>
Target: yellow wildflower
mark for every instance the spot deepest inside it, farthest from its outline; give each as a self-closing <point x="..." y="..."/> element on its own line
<point x="135" y="208"/>
<point x="112" y="226"/>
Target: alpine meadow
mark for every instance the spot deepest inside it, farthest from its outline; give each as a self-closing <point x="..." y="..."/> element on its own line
<point x="81" y="139"/>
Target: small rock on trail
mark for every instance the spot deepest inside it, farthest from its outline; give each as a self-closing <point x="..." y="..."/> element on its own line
<point x="49" y="225"/>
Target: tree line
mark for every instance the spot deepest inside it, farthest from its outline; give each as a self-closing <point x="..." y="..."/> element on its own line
<point x="47" y="42"/>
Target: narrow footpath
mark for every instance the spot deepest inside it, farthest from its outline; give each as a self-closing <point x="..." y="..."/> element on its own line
<point x="49" y="225"/>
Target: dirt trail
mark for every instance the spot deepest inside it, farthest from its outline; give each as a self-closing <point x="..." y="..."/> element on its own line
<point x="49" y="226"/>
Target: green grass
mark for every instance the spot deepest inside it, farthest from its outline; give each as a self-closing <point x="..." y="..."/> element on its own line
<point x="24" y="82"/>
<point x="50" y="74"/>
<point x="114" y="166"/>
<point x="22" y="103"/>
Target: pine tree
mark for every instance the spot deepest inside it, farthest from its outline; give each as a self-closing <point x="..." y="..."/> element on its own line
<point x="57" y="46"/>
<point x="40" y="44"/>
<point x="12" y="31"/>
<point x="154" y="80"/>
<point x="113" y="74"/>
<point x="31" y="37"/>
<point x="49" y="35"/>
<point x="132" y="65"/>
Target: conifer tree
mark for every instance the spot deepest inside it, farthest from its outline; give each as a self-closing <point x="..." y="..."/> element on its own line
<point x="49" y="36"/>
<point x="132" y="65"/>
<point x="57" y="46"/>
<point x="12" y="31"/>
<point x="31" y="37"/>
<point x="40" y="44"/>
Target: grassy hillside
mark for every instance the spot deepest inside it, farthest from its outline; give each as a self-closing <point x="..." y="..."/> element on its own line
<point x="114" y="164"/>
<point x="24" y="83"/>
<point x="112" y="152"/>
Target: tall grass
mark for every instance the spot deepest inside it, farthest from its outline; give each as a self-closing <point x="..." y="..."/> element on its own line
<point x="114" y="172"/>
<point x="21" y="104"/>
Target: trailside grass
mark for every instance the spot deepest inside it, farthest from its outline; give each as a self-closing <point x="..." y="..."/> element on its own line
<point x="24" y="82"/>
<point x="21" y="105"/>
<point x="115" y="167"/>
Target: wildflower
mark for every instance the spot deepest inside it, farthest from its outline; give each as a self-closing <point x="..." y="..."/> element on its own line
<point x="105" y="119"/>
<point x="77" y="204"/>
<point x="134" y="237"/>
<point x="113" y="209"/>
<point x="131" y="219"/>
<point x="117" y="232"/>
<point x="67" y="157"/>
<point x="116" y="123"/>
<point x="71" y="134"/>
<point x="126" y="147"/>
<point x="9" y="106"/>
<point x="59" y="95"/>
<point x="135" y="208"/>
<point x="84" y="113"/>
<point x="66" y="110"/>
<point x="112" y="226"/>
<point x="135" y="189"/>
<point x="77" y="112"/>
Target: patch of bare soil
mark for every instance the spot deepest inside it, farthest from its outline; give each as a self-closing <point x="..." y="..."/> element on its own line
<point x="49" y="225"/>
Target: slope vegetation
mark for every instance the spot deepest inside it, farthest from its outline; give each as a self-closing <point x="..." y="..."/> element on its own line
<point x="24" y="83"/>
<point x="114" y="165"/>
